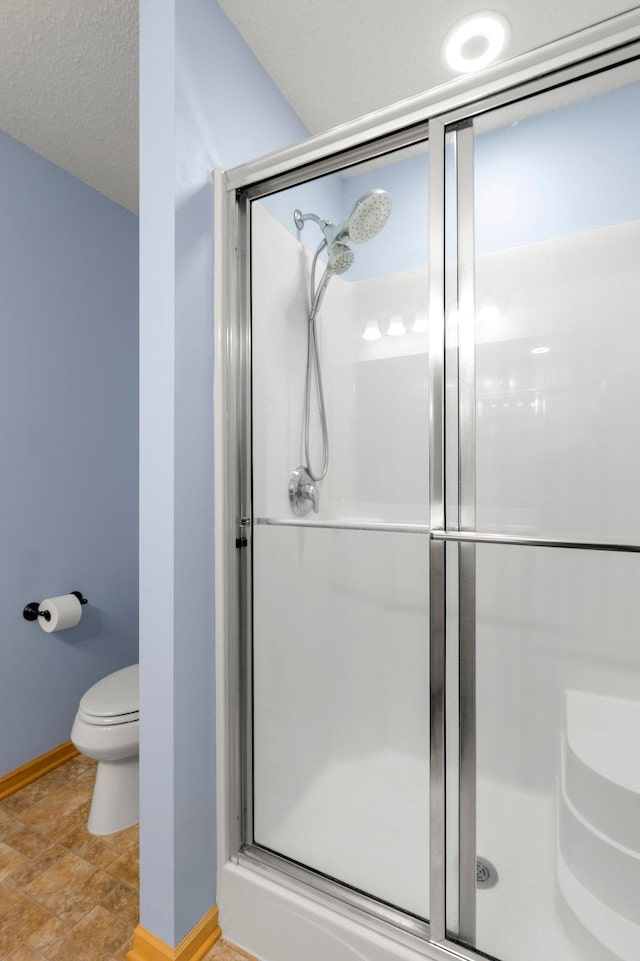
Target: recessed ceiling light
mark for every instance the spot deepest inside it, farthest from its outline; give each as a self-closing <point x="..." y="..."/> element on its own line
<point x="475" y="42"/>
<point x="540" y="350"/>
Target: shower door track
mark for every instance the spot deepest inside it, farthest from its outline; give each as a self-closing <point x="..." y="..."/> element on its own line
<point x="449" y="109"/>
<point x="409" y="929"/>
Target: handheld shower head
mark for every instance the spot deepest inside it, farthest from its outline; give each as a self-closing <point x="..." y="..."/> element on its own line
<point x="369" y="215"/>
<point x="340" y="258"/>
<point x="367" y="218"/>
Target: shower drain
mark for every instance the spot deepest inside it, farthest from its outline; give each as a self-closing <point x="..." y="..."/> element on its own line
<point x="486" y="874"/>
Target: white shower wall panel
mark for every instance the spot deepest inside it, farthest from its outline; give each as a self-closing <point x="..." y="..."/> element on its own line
<point x="280" y="267"/>
<point x="376" y="391"/>
<point x="340" y="618"/>
<point x="558" y="393"/>
<point x="554" y="429"/>
<point x="554" y="441"/>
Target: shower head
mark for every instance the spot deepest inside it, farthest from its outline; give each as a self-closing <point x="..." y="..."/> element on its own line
<point x="367" y="218"/>
<point x="340" y="258"/>
<point x="369" y="215"/>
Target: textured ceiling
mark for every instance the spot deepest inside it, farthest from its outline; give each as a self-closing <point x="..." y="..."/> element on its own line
<point x="69" y="87"/>
<point x="340" y="59"/>
<point x="69" y="68"/>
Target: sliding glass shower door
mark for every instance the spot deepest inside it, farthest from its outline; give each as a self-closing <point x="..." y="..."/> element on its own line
<point x="544" y="851"/>
<point x="340" y="653"/>
<point x="440" y="474"/>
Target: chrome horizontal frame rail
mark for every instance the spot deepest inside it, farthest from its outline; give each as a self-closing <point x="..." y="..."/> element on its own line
<point x="474" y="537"/>
<point x="458" y="95"/>
<point x="345" y="525"/>
<point x="342" y="160"/>
<point x="376" y="911"/>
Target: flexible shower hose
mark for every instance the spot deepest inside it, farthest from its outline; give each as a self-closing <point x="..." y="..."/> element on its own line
<point x="314" y="368"/>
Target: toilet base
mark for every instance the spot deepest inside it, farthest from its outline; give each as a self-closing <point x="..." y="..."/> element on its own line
<point x="115" y="804"/>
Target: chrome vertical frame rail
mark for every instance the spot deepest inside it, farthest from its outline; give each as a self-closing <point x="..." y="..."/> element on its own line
<point x="437" y="613"/>
<point x="243" y="519"/>
<point x="466" y="522"/>
<point x="247" y="851"/>
<point x="226" y="585"/>
<point x="231" y="429"/>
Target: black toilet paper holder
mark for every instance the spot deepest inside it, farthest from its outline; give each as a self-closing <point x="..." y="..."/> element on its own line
<point x="31" y="612"/>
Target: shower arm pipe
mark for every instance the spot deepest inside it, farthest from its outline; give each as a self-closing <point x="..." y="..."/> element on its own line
<point x="300" y="219"/>
<point x="332" y="232"/>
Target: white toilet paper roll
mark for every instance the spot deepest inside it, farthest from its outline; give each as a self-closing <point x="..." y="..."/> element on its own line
<point x="65" y="612"/>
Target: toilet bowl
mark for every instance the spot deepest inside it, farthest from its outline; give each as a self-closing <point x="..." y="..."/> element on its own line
<point x="106" y="728"/>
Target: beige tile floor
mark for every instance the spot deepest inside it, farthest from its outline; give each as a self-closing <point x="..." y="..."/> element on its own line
<point x="64" y="893"/>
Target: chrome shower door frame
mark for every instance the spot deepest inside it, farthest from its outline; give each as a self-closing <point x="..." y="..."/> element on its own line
<point x="431" y="117"/>
<point x="409" y="930"/>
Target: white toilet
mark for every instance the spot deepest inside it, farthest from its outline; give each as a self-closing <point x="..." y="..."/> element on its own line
<point x="106" y="728"/>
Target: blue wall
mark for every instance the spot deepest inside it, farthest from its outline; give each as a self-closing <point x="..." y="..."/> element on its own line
<point x="559" y="173"/>
<point x="68" y="423"/>
<point x="205" y="102"/>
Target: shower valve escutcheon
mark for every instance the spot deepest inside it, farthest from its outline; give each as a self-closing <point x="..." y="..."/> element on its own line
<point x="304" y="495"/>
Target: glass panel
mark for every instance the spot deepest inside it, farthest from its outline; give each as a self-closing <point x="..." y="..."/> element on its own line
<point x="340" y="709"/>
<point x="542" y="652"/>
<point x="558" y="778"/>
<point x="557" y="241"/>
<point x="340" y="617"/>
<point x="372" y="346"/>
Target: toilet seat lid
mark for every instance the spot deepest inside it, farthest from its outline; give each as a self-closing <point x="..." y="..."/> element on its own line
<point x="107" y="721"/>
<point x="114" y="695"/>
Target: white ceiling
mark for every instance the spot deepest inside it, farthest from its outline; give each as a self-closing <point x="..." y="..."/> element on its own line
<point x="339" y="59"/>
<point x="69" y="87"/>
<point x="69" y="68"/>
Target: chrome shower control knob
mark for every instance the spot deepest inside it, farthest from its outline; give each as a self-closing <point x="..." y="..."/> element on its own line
<point x="304" y="495"/>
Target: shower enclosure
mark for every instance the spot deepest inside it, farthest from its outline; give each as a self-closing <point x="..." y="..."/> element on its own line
<point x="430" y="674"/>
